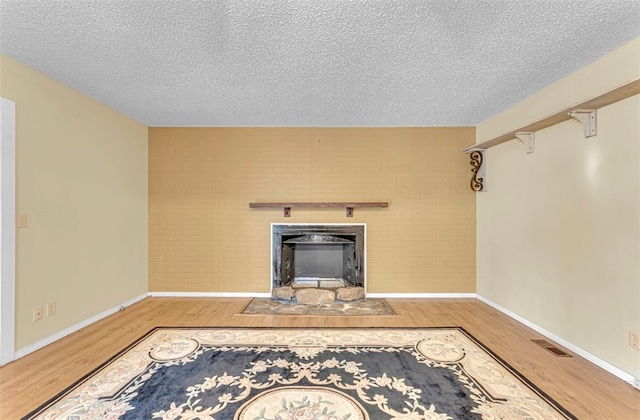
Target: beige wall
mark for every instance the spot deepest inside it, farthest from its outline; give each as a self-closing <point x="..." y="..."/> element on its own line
<point x="204" y="238"/>
<point x="81" y="175"/>
<point x="559" y="230"/>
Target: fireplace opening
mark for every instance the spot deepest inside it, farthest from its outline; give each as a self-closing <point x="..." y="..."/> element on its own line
<point x="319" y="260"/>
<point x="321" y="256"/>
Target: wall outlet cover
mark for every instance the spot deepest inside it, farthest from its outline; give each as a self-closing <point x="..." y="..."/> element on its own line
<point x="51" y="308"/>
<point x="37" y="313"/>
<point x="634" y="340"/>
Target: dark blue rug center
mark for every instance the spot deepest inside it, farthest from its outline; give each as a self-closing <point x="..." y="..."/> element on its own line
<point x="175" y="382"/>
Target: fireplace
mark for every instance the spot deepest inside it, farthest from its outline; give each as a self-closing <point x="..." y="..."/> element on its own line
<point x="318" y="255"/>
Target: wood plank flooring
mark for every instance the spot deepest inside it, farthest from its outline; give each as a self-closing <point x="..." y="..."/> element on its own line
<point x="581" y="387"/>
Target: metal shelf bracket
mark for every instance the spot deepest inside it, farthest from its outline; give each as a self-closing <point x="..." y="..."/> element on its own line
<point x="528" y="138"/>
<point x="587" y="117"/>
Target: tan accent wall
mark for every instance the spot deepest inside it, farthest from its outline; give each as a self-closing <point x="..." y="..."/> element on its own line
<point x="559" y="230"/>
<point x="204" y="238"/>
<point x="81" y="175"/>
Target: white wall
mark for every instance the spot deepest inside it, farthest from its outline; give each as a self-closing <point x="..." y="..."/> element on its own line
<point x="81" y="179"/>
<point x="558" y="235"/>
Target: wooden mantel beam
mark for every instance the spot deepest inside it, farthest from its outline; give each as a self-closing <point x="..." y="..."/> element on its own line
<point x="349" y="206"/>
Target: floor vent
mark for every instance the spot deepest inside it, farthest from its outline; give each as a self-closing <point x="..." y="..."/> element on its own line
<point x="553" y="349"/>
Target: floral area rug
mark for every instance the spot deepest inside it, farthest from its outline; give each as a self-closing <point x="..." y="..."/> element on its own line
<point x="327" y="374"/>
<point x="366" y="307"/>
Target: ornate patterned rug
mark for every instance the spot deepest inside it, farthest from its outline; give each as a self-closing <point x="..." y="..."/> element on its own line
<point x="368" y="307"/>
<point x="327" y="374"/>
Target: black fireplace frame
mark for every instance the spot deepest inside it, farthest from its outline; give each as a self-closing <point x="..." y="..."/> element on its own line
<point x="281" y="233"/>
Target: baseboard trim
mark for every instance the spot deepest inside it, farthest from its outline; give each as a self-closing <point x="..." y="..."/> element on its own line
<point x="61" y="334"/>
<point x="208" y="294"/>
<point x="630" y="379"/>
<point x="422" y="295"/>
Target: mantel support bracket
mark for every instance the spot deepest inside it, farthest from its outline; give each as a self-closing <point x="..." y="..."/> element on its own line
<point x="528" y="138"/>
<point x="587" y="117"/>
<point x="478" y="179"/>
<point x="349" y="210"/>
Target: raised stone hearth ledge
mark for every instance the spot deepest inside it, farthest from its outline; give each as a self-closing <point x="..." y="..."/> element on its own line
<point x="318" y="296"/>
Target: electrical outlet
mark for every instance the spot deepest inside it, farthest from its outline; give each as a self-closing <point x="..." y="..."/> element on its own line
<point x="37" y="313"/>
<point x="51" y="308"/>
<point x="22" y="221"/>
<point x="634" y="340"/>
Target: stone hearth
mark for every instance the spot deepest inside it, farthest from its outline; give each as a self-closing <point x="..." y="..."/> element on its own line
<point x="318" y="296"/>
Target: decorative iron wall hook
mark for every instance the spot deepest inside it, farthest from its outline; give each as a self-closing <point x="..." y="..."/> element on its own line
<point x="477" y="180"/>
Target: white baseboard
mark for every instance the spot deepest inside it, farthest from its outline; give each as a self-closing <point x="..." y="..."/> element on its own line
<point x="422" y="295"/>
<point x="564" y="343"/>
<point x="267" y="295"/>
<point x="208" y="294"/>
<point x="61" y="334"/>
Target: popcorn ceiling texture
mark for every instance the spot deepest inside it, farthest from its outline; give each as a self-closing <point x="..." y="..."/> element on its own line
<point x="312" y="63"/>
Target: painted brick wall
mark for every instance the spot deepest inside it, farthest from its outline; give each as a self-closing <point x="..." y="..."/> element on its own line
<point x="204" y="238"/>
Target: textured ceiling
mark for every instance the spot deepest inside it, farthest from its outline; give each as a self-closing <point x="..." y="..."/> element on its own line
<point x="312" y="63"/>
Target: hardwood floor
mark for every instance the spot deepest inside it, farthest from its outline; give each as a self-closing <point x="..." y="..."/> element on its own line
<point x="581" y="387"/>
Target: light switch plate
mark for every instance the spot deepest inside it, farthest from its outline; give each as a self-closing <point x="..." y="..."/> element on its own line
<point x="22" y="221"/>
